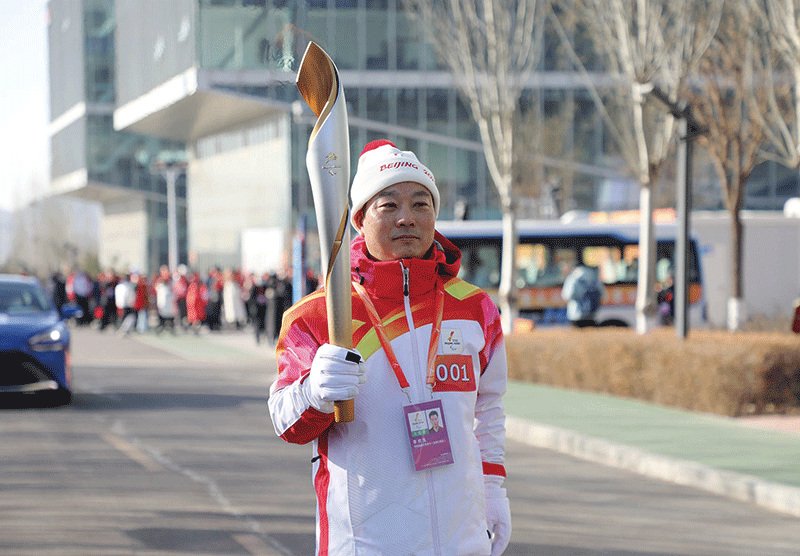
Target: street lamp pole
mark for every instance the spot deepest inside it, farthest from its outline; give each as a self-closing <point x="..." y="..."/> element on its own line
<point x="171" y="176"/>
<point x="688" y="130"/>
<point x="170" y="170"/>
<point x="683" y="176"/>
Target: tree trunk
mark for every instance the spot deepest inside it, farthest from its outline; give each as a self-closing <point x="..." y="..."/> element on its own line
<point x="736" y="305"/>
<point x="645" y="292"/>
<point x="508" y="291"/>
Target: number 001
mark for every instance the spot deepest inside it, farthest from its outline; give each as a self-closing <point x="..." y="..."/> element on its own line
<point x="455" y="373"/>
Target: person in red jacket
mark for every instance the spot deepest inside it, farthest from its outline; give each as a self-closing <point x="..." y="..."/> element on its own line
<point x="196" y="300"/>
<point x="142" y="302"/>
<point x="393" y="481"/>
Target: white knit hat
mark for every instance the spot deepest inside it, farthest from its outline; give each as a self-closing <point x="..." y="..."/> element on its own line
<point x="382" y="164"/>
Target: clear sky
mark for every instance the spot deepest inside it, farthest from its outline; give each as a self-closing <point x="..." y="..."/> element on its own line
<point x="24" y="102"/>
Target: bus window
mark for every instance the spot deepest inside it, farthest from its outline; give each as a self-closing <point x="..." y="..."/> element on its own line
<point x="664" y="270"/>
<point x="536" y="266"/>
<point x="593" y="256"/>
<point x="666" y="253"/>
<point x="565" y="259"/>
<point x="526" y="265"/>
<point x="609" y="262"/>
<point x="480" y="265"/>
<point x="631" y="258"/>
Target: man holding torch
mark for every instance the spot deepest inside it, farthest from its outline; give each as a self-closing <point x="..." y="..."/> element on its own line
<point x="425" y="342"/>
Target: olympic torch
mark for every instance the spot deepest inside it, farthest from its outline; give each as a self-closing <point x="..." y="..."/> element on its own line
<point x="328" y="163"/>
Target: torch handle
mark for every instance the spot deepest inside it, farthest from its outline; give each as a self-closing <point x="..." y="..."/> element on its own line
<point x="344" y="411"/>
<point x="340" y="334"/>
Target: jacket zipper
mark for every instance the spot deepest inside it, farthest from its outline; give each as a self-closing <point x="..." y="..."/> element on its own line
<point x="421" y="380"/>
<point x="412" y="333"/>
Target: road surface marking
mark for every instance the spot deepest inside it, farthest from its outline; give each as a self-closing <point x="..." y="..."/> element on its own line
<point x="147" y="455"/>
<point x="132" y="452"/>
<point x="255" y="545"/>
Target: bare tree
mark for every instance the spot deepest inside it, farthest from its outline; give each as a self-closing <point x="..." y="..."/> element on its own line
<point x="53" y="233"/>
<point x="781" y="19"/>
<point x="542" y="154"/>
<point x="491" y="47"/>
<point x="729" y="99"/>
<point x="643" y="43"/>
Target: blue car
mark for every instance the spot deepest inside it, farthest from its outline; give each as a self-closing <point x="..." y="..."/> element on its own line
<point x="34" y="341"/>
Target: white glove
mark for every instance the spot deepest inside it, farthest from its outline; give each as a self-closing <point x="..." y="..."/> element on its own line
<point x="498" y="514"/>
<point x="335" y="375"/>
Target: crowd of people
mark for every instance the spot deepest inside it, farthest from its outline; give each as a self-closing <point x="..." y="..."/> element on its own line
<point x="179" y="301"/>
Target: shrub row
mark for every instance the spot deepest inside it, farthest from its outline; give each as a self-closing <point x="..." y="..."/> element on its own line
<point x="711" y="371"/>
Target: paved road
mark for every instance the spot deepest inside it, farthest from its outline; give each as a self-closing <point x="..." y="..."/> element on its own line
<point x="169" y="451"/>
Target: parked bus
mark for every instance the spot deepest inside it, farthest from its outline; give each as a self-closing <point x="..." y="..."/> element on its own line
<point x="548" y="250"/>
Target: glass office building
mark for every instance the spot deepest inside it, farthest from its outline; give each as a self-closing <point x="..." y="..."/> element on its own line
<point x="218" y="77"/>
<point x="90" y="159"/>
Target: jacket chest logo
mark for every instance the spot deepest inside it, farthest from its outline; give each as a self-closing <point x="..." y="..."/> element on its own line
<point x="452" y="341"/>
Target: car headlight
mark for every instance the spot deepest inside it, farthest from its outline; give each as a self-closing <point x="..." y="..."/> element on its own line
<point x="53" y="339"/>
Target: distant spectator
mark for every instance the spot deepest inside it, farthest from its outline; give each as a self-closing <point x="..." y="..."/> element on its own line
<point x="233" y="307"/>
<point x="214" y="297"/>
<point x="666" y="302"/>
<point x="59" y="290"/>
<point x="142" y="301"/>
<point x="270" y="317"/>
<point x="108" y="283"/>
<point x="247" y="290"/>
<point x="196" y="300"/>
<point x="583" y="292"/>
<point x="79" y="289"/>
<point x="125" y="298"/>
<point x="283" y="300"/>
<point x="96" y="298"/>
<point x="166" y="305"/>
<point x="258" y="300"/>
<point x="180" y="285"/>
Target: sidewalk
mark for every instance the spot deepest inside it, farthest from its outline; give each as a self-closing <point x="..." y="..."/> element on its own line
<point x="756" y="460"/>
<point x="208" y="346"/>
<point x="755" y="464"/>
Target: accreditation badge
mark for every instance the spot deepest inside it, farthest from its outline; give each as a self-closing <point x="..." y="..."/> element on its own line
<point x="427" y="433"/>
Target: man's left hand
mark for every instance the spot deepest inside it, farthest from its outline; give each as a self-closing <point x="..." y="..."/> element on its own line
<point x="498" y="514"/>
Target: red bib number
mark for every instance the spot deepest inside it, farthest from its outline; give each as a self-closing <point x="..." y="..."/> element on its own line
<point x="454" y="373"/>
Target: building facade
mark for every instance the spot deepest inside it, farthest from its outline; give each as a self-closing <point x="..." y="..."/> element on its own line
<point x="218" y="77"/>
<point x="92" y="160"/>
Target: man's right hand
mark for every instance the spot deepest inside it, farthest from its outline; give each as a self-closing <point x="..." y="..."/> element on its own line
<point x="335" y="375"/>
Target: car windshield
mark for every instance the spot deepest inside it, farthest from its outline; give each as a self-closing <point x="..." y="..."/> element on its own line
<point x="22" y="298"/>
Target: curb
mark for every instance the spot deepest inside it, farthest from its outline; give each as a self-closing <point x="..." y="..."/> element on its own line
<point x="774" y="496"/>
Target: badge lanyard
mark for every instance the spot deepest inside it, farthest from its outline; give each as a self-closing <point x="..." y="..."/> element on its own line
<point x="387" y="347"/>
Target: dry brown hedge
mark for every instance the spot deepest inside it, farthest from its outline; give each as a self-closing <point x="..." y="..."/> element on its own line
<point x="712" y="371"/>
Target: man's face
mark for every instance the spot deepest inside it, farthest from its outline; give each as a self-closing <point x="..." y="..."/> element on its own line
<point x="434" y="421"/>
<point x="398" y="222"/>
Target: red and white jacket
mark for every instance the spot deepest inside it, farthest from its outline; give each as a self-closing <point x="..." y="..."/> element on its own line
<point x="370" y="499"/>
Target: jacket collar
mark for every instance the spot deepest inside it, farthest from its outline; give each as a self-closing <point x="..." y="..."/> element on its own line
<point x="384" y="279"/>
